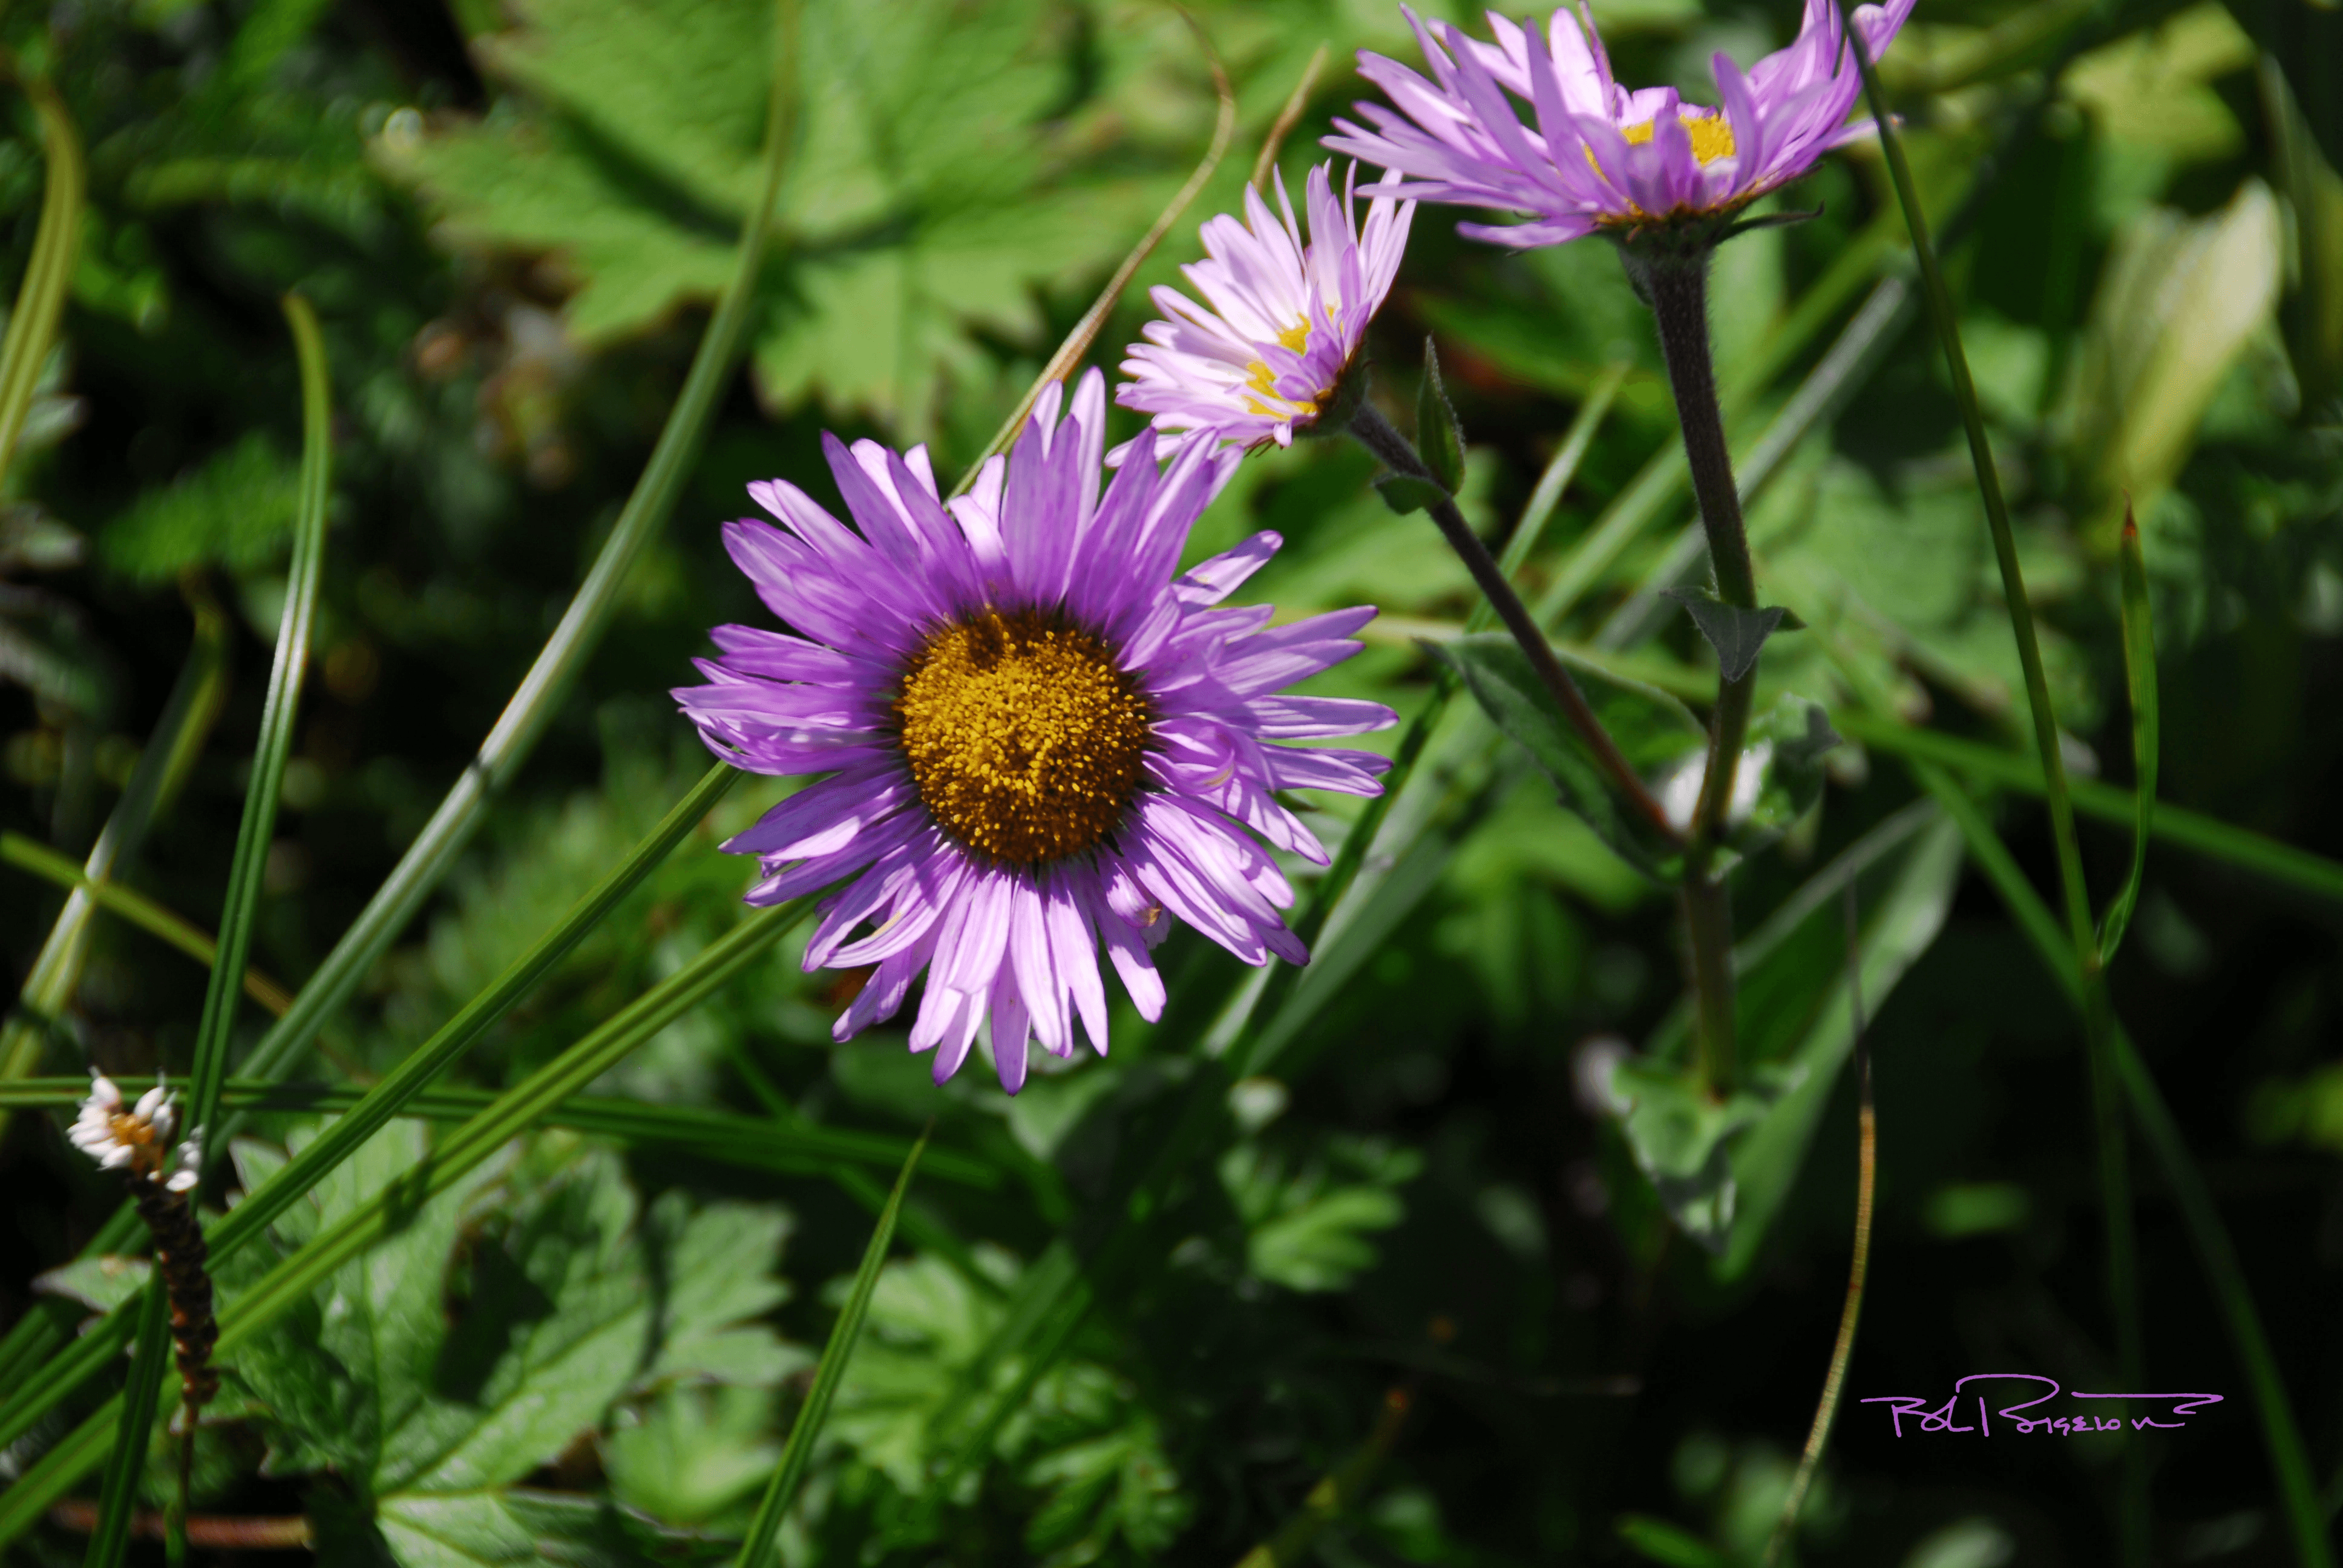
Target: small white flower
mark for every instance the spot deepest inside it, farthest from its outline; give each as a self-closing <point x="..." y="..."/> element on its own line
<point x="116" y="1138"/>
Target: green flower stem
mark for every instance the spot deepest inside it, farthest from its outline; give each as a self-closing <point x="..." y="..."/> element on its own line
<point x="289" y="1283"/>
<point x="2099" y="1018"/>
<point x="758" y="1549"/>
<point x="541" y="690"/>
<point x="1375" y="433"/>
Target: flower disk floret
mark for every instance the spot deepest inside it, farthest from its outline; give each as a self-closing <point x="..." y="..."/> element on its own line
<point x="1036" y="737"/>
<point x="1595" y="154"/>
<point x="1282" y="321"/>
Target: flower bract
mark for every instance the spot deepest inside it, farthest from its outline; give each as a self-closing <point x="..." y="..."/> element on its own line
<point x="1282" y="321"/>
<point x="1037" y="738"/>
<point x="1592" y="153"/>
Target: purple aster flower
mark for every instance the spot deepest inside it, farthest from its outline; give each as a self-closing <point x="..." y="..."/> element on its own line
<point x="1036" y="737"/>
<point x="1281" y="322"/>
<point x="1596" y="154"/>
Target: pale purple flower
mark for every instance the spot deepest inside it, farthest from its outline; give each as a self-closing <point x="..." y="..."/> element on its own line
<point x="1281" y="318"/>
<point x="1595" y="153"/>
<point x="1037" y="739"/>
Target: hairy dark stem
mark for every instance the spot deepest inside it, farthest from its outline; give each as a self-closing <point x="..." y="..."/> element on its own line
<point x="1375" y="433"/>
<point x="1670" y="269"/>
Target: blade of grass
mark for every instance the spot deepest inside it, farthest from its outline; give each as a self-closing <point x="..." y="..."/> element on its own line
<point x="30" y="1396"/>
<point x="1866" y="1179"/>
<point x="541" y="690"/>
<point x="246" y="864"/>
<point x="179" y="735"/>
<point x="1559" y="472"/>
<point x="2098" y="1021"/>
<point x="2281" y="1436"/>
<point x="757" y="1142"/>
<point x="757" y="1548"/>
<point x="1078" y="342"/>
<point x="286" y="1285"/>
<point x="278" y="715"/>
<point x="2139" y="676"/>
<point x="41" y="298"/>
<point x="136" y="1408"/>
<point x="138" y="910"/>
<point x="2173" y="824"/>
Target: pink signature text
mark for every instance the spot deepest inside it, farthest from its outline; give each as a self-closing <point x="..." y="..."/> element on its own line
<point x="1976" y="1412"/>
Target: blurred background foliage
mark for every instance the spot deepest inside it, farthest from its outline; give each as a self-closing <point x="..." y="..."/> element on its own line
<point x="512" y="216"/>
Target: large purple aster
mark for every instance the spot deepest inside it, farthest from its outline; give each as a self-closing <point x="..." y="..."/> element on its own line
<point x="1597" y="155"/>
<point x="1037" y="738"/>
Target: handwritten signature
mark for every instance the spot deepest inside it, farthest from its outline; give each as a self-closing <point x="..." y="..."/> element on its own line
<point x="1981" y="1412"/>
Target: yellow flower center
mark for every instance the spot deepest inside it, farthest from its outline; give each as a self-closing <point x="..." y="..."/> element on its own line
<point x="1259" y="377"/>
<point x="1712" y="135"/>
<point x="1025" y="739"/>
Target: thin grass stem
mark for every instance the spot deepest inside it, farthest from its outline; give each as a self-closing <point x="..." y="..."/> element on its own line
<point x="40" y="297"/>
<point x="1289" y="116"/>
<point x="758" y="1551"/>
<point x="2098" y="1021"/>
<point x="1866" y="1181"/>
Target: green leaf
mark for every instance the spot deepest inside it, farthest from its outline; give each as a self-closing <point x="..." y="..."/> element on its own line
<point x="1681" y="1138"/>
<point x="1439" y="438"/>
<point x="235" y="512"/>
<point x="1736" y="634"/>
<point x="1785" y="749"/>
<point x="1307" y="1229"/>
<point x="693" y="1453"/>
<point x="929" y="197"/>
<point x="565" y="1301"/>
<point x="757" y="1548"/>
<point x="101" y="1283"/>
<point x="1404" y="493"/>
<point x="1647" y="725"/>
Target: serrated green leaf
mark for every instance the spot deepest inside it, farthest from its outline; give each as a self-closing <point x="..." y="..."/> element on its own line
<point x="1307" y="1229"/>
<point x="1646" y="724"/>
<point x="915" y="194"/>
<point x="1439" y="438"/>
<point x="691" y="1454"/>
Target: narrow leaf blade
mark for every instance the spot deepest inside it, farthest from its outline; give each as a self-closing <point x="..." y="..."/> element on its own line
<point x="757" y="1550"/>
<point x="2139" y="676"/>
